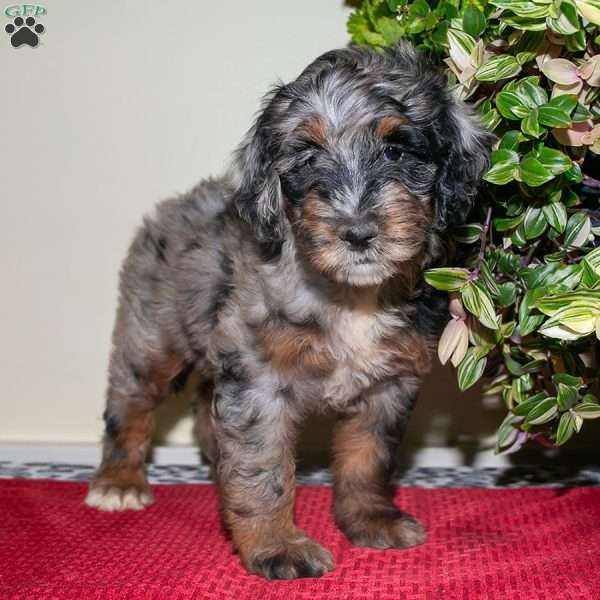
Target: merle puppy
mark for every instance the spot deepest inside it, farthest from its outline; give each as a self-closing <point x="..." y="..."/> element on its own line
<point x="293" y="284"/>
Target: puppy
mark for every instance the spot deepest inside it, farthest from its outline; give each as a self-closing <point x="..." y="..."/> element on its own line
<point x="293" y="284"/>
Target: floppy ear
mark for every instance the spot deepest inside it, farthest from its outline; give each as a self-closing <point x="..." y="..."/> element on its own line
<point x="465" y="161"/>
<point x="258" y="198"/>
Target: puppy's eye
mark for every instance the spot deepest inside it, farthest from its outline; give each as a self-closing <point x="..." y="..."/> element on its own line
<point x="310" y="161"/>
<point x="393" y="153"/>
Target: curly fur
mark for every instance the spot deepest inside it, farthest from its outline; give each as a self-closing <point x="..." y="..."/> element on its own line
<point x="292" y="284"/>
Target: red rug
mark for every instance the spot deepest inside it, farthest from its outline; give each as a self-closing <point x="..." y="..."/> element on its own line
<point x="525" y="544"/>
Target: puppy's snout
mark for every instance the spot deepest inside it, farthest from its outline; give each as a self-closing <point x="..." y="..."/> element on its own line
<point x="359" y="235"/>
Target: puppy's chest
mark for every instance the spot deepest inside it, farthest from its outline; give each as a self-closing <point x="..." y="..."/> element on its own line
<point x="349" y="351"/>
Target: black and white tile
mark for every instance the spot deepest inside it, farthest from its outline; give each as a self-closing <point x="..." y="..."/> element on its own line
<point x="425" y="477"/>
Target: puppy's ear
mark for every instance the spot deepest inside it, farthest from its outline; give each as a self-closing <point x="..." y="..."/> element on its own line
<point x="258" y="198"/>
<point x="466" y="159"/>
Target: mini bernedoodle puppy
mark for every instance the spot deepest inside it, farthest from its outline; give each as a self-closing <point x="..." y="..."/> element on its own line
<point x="293" y="284"/>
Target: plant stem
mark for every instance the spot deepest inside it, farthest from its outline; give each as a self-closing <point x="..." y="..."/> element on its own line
<point x="482" y="236"/>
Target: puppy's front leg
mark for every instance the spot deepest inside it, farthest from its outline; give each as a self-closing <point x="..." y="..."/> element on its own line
<point x="255" y="433"/>
<point x="364" y="446"/>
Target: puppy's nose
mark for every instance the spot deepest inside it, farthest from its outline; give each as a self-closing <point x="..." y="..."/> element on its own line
<point x="359" y="235"/>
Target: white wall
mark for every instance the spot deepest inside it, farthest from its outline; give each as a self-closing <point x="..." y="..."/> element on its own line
<point x="122" y="104"/>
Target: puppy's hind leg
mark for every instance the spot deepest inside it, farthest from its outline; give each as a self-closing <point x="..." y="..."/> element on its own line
<point x="136" y="386"/>
<point x="205" y="431"/>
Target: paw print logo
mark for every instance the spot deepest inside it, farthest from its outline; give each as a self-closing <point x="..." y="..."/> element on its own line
<point x="24" y="32"/>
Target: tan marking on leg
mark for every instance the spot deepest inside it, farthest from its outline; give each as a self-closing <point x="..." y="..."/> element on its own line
<point x="364" y="509"/>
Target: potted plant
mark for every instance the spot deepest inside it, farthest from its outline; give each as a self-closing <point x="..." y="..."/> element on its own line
<point x="525" y="290"/>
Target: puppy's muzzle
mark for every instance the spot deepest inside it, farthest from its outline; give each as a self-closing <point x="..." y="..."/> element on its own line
<point x="359" y="236"/>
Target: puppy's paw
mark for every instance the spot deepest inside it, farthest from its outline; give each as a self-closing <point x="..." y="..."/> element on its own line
<point x="390" y="529"/>
<point x="296" y="558"/>
<point x="115" y="499"/>
<point x="118" y="491"/>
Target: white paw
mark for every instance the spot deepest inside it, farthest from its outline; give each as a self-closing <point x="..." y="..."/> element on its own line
<point x="112" y="498"/>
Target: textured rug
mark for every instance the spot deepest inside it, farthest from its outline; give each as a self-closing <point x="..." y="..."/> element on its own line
<point x="484" y="544"/>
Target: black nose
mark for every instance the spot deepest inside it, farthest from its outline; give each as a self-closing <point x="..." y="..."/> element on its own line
<point x="360" y="235"/>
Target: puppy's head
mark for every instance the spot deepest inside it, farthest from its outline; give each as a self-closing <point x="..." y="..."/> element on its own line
<point x="364" y="157"/>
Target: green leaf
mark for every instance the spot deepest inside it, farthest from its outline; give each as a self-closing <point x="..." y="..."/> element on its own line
<point x="501" y="173"/>
<point x="511" y="106"/>
<point x="508" y="294"/>
<point x="529" y="324"/>
<point x="530" y="124"/>
<point x="589" y="9"/>
<point x="502" y="224"/>
<point x="567" y="276"/>
<point x="575" y="42"/>
<point x="525" y="23"/>
<point x="567" y="379"/>
<point x="488" y="278"/>
<point x="526" y="406"/>
<point x="532" y="94"/>
<point x="511" y="140"/>
<point x="570" y="323"/>
<point x="473" y="21"/>
<point x="491" y="120"/>
<point x="543" y="412"/>
<point x="593" y="260"/>
<point x="578" y="230"/>
<point x="394" y="5"/>
<point x="567" y="21"/>
<point x="390" y="29"/>
<point x="554" y="160"/>
<point x="525" y="57"/>
<point x="551" y="116"/>
<point x="419" y="8"/>
<point x="470" y="370"/>
<point x="523" y="8"/>
<point x="534" y="223"/>
<point x="416" y="25"/>
<point x="517" y="237"/>
<point x="556" y="215"/>
<point x="505" y="156"/>
<point x="588" y="410"/>
<point x="566" y="428"/>
<point x="508" y="432"/>
<point x="467" y="234"/>
<point x="589" y="278"/>
<point x="550" y="305"/>
<point x="478" y="302"/>
<point x="573" y="175"/>
<point x="536" y="276"/>
<point x="533" y="172"/>
<point x="580" y="114"/>
<point x="567" y="396"/>
<point x="567" y="102"/>
<point x="373" y="39"/>
<point x="499" y="67"/>
<point x="357" y="26"/>
<point x="448" y="279"/>
<point x="504" y="167"/>
<point x="531" y="41"/>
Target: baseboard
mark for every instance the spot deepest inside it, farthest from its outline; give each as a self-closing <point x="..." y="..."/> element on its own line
<point x="89" y="454"/>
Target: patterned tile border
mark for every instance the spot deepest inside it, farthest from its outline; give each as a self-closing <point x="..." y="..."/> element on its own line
<point x="425" y="477"/>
